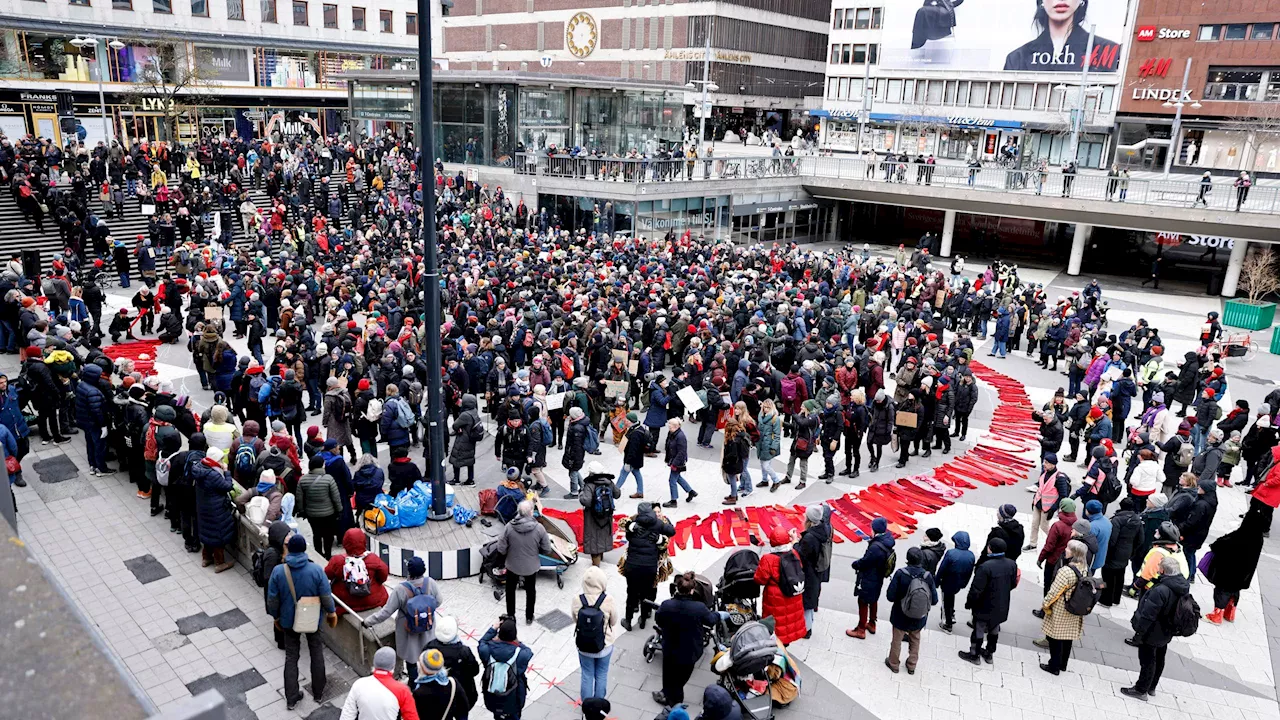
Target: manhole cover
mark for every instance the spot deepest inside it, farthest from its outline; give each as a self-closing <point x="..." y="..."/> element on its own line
<point x="147" y="569"/>
<point x="555" y="620"/>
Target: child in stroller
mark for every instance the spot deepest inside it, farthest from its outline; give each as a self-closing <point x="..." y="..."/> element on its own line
<point x="757" y="671"/>
<point x="737" y="594"/>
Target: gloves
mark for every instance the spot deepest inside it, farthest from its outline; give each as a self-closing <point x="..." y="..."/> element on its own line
<point x="104" y="433"/>
<point x="331" y="620"/>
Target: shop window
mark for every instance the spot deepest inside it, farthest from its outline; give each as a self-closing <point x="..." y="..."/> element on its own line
<point x="385" y="20"/>
<point x="1261" y="31"/>
<point x="357" y="18"/>
<point x="268" y="11"/>
<point x="1236" y="31"/>
<point x="162" y="6"/>
<point x="411" y="23"/>
<point x="1209" y="32"/>
<point x="200" y="8"/>
<point x="300" y="12"/>
<point x="235" y="9"/>
<point x="838" y="23"/>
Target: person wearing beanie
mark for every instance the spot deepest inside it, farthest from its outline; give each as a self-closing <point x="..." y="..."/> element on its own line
<point x="933" y="548"/>
<point x="380" y="695"/>
<point x="1207" y="413"/>
<point x="905" y="625"/>
<point x="215" y="521"/>
<point x="1101" y="528"/>
<point x="989" y="600"/>
<point x="409" y="644"/>
<point x="1050" y="487"/>
<point x="266" y="487"/>
<point x="501" y="644"/>
<point x="46" y="397"/>
<point x="540" y="438"/>
<point x="814" y="547"/>
<point x="1055" y="541"/>
<point x="599" y="708"/>
<point x="365" y="590"/>
<point x="314" y="443"/>
<point x="954" y="571"/>
<point x="459" y="660"/>
<point x="319" y="501"/>
<point x="787" y="611"/>
<point x="1008" y="529"/>
<point x="871" y="569"/>
<point x="367" y="410"/>
<point x="308" y="580"/>
<point x="436" y="694"/>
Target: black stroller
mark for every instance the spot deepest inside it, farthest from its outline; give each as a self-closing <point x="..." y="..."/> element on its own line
<point x="705" y="594"/>
<point x="751" y="651"/>
<point x="738" y="594"/>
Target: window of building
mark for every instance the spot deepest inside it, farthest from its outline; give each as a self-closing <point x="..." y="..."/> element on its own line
<point x="862" y="20"/>
<point x="856" y="88"/>
<point x="838" y="22"/>
<point x="200" y="8"/>
<point x="122" y="4"/>
<point x="873" y="53"/>
<point x="81" y="3"/>
<point x="1209" y="32"/>
<point x="357" y="18"/>
<point x="1236" y="31"/>
<point x="881" y="90"/>
<point x="835" y="54"/>
<point x="411" y="23"/>
<point x="846" y="54"/>
<point x="1262" y="31"/>
<point x="844" y="88"/>
<point x="162" y="6"/>
<point x="908" y="91"/>
<point x="384" y="20"/>
<point x="876" y="15"/>
<point x="269" y="11"/>
<point x="300" y="12"/>
<point x="1273" y="90"/>
<point x="832" y="83"/>
<point x="1233" y="84"/>
<point x="859" y="54"/>
<point x="895" y="92"/>
<point x="949" y="94"/>
<point x="993" y="95"/>
<point x="235" y="9"/>
<point x="331" y="16"/>
<point x="962" y="93"/>
<point x="977" y="94"/>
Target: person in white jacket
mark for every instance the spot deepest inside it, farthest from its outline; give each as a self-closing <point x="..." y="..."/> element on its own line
<point x="380" y="696"/>
<point x="1147" y="478"/>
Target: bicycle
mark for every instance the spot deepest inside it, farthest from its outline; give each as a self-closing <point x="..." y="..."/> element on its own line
<point x="1240" y="345"/>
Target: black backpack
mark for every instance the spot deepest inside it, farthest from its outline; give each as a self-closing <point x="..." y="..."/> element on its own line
<point x="261" y="575"/>
<point x="602" y="500"/>
<point x="590" y="629"/>
<point x="1185" y="620"/>
<point x="1083" y="596"/>
<point x="790" y="574"/>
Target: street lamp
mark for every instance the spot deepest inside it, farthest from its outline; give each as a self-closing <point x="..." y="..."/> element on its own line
<point x="114" y="44"/>
<point x="1174" y="145"/>
<point x="707" y="86"/>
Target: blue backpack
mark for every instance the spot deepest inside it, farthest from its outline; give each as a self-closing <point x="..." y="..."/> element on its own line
<point x="419" y="609"/>
<point x="592" y="442"/>
<point x="547" y="437"/>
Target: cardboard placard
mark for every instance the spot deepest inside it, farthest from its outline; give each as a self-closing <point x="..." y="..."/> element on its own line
<point x="556" y="401"/>
<point x="689" y="396"/>
<point x="148" y="209"/>
<point x="633" y="367"/>
<point x="615" y="388"/>
<point x="212" y="312"/>
<point x="906" y="418"/>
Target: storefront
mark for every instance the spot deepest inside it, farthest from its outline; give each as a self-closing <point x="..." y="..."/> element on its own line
<point x="650" y="219"/>
<point x="799" y="220"/>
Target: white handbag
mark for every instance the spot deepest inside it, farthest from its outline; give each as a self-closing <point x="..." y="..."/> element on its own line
<point x="306" y="611"/>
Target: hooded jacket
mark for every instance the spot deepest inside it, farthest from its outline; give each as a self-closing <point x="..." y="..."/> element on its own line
<point x="1196" y="522"/>
<point x="957" y="565"/>
<point x="718" y="705"/>
<point x="1055" y="541"/>
<point x="274" y="553"/>
<point x="597" y="531"/>
<point x="368" y="482"/>
<point x="647" y="535"/>
<point x="594" y="584"/>
<point x="89" y="400"/>
<point x="215" y="522"/>
<point x="355" y="545"/>
<point x="521" y="541"/>
<point x="871" y="567"/>
<point x="490" y="649"/>
<point x="308" y="581"/>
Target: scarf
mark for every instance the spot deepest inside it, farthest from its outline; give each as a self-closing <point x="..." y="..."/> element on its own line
<point x="265" y="487"/>
<point x="441" y="677"/>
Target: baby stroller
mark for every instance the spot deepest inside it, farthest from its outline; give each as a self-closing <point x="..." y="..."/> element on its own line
<point x="705" y="594"/>
<point x="738" y="594"/>
<point x="756" y="661"/>
<point x="564" y="546"/>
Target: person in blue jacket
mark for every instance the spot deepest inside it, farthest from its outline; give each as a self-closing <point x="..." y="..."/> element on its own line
<point x="90" y="415"/>
<point x="954" y="573"/>
<point x="656" y="416"/>
<point x="1000" y="337"/>
<point x="12" y="419"/>
<point x="871" y="569"/>
<point x="1123" y="391"/>
<point x="904" y="625"/>
<point x="499" y="644"/>
<point x="1093" y="512"/>
<point x="308" y="581"/>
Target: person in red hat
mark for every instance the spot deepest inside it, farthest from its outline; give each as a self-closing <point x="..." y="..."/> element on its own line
<point x="781" y="575"/>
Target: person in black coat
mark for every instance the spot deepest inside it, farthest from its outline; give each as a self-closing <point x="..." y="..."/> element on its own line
<point x="993" y="584"/>
<point x="272" y="556"/>
<point x="1235" y="560"/>
<point x="403" y="472"/>
<point x="966" y="394"/>
<point x="1126" y="534"/>
<point x="1151" y="626"/>
<point x="1195" y="524"/>
<point x="633" y="455"/>
<point x="682" y="619"/>
<point x="647" y="536"/>
<point x="871" y="568"/>
<point x="1008" y="529"/>
<point x="1050" y="431"/>
<point x="46" y="396"/>
<point x="814" y="547"/>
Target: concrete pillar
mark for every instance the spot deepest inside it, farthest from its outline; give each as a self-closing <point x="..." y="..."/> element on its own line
<point x="948" y="232"/>
<point x="1078" y="242"/>
<point x="1238" y="250"/>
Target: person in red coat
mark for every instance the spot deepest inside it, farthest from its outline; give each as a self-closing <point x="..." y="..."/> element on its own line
<point x="1266" y="497"/>
<point x="353" y="541"/>
<point x="787" y="612"/>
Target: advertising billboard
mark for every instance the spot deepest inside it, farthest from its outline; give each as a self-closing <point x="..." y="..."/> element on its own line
<point x="1012" y="35"/>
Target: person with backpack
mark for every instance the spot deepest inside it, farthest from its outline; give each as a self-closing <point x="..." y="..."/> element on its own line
<point x="1056" y="541"/>
<point x="876" y="564"/>
<point x="1126" y="534"/>
<point x="358" y="577"/>
<point x="647" y="535"/>
<point x="1160" y="617"/>
<point x="1060" y="626"/>
<point x="437" y="695"/>
<point x="988" y="599"/>
<point x="814" y="547"/>
<point x="295" y="580"/>
<point x="521" y="542"/>
<point x="954" y="571"/>
<point x="319" y="502"/>
<point x="380" y="696"/>
<point x="396" y="419"/>
<point x="415" y="602"/>
<point x="505" y="682"/>
<point x="266" y="488"/>
<point x="781" y="575"/>
<point x="598" y="499"/>
<point x="913" y="591"/>
<point x="336" y="414"/>
<point x="594" y="617"/>
<point x="459" y="660"/>
<point x="182" y="494"/>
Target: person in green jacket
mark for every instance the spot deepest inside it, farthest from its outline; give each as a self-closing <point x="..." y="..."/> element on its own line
<point x="319" y="502"/>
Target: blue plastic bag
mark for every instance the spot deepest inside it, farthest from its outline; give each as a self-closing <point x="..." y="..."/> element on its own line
<point x="462" y="515"/>
<point x="422" y="488"/>
<point x="411" y="508"/>
<point x="387" y="519"/>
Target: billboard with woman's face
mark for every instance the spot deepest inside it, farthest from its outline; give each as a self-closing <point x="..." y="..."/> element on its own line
<point x="1014" y="35"/>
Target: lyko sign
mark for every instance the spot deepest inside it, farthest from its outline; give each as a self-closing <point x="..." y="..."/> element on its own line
<point x="1147" y="33"/>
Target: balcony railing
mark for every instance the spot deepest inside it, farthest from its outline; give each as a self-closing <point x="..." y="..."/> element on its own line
<point x="648" y="170"/>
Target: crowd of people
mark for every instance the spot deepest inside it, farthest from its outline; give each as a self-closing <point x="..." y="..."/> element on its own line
<point x="553" y="340"/>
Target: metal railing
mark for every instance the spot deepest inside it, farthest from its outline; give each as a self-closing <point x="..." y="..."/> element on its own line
<point x="647" y="170"/>
<point x="1221" y="194"/>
